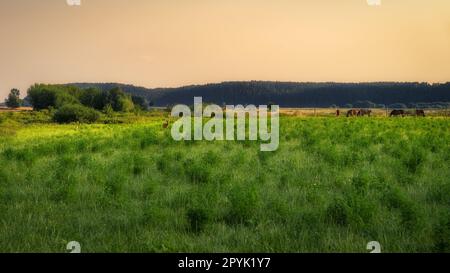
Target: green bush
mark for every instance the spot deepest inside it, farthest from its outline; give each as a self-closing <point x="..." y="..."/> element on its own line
<point x="75" y="113"/>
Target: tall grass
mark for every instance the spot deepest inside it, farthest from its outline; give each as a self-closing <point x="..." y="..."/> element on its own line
<point x="334" y="185"/>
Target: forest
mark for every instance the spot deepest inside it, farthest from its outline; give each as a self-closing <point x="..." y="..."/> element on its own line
<point x="292" y="94"/>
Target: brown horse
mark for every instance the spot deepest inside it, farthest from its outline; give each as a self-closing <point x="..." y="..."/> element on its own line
<point x="363" y="112"/>
<point x="352" y="113"/>
<point x="396" y="113"/>
<point x="420" y="113"/>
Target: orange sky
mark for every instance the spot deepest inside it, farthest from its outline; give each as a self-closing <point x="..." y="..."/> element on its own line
<point x="177" y="42"/>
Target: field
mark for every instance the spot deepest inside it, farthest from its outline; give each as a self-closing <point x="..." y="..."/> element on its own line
<point x="334" y="185"/>
<point x="331" y="112"/>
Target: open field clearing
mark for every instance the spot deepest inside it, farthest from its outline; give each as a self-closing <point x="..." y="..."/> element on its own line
<point x="333" y="185"/>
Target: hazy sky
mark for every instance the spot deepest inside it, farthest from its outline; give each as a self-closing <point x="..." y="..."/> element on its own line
<point x="157" y="43"/>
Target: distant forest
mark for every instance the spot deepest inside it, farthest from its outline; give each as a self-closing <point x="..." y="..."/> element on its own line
<point x="291" y="94"/>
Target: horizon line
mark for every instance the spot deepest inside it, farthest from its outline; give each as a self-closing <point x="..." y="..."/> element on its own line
<point x="253" y="81"/>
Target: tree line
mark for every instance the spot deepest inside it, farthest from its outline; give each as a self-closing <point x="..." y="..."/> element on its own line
<point x="124" y="98"/>
<point x="70" y="103"/>
<point x="292" y="94"/>
<point x="44" y="96"/>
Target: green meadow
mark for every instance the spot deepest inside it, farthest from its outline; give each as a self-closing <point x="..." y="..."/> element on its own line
<point x="124" y="185"/>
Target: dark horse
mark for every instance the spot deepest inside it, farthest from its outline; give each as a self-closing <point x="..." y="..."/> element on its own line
<point x="352" y="112"/>
<point x="396" y="113"/>
<point x="420" y="113"/>
<point x="363" y="112"/>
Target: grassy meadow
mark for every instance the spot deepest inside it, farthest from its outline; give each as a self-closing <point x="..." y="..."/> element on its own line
<point x="125" y="186"/>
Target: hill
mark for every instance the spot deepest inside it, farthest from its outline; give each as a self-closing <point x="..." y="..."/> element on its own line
<point x="292" y="94"/>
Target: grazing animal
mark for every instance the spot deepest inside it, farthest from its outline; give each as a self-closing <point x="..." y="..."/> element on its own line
<point x="420" y="113"/>
<point x="396" y="113"/>
<point x="363" y="112"/>
<point x="166" y="124"/>
<point x="338" y="113"/>
<point x="352" y="112"/>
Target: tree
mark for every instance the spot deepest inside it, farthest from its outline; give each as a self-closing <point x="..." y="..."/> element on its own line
<point x="94" y="98"/>
<point x="41" y="98"/>
<point x="13" y="100"/>
<point x="44" y="96"/>
<point x="125" y="104"/>
<point x="120" y="101"/>
<point x="140" y="102"/>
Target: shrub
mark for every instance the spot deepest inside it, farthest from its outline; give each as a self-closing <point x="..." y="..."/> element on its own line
<point x="75" y="113"/>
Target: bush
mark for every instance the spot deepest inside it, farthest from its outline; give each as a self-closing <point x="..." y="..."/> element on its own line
<point x="75" y="113"/>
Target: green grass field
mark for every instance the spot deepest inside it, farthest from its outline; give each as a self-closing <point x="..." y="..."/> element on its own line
<point x="334" y="185"/>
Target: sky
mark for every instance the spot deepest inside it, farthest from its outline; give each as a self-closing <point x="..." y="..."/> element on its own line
<point x="168" y="43"/>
